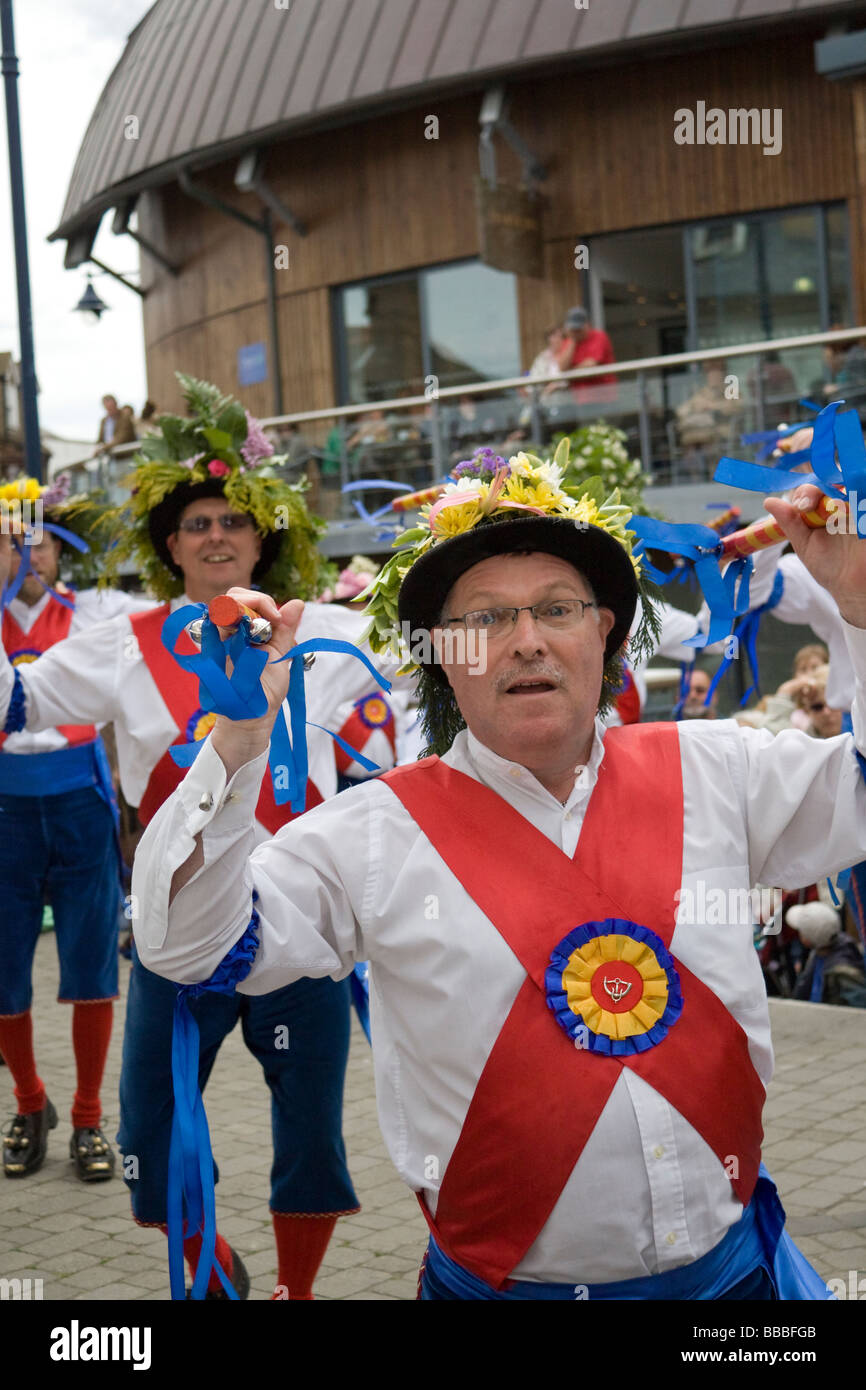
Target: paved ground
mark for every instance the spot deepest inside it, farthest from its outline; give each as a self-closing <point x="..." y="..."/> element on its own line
<point x="83" y="1244"/>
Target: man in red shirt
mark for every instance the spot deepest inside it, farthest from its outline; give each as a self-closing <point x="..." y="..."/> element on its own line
<point x="585" y="346"/>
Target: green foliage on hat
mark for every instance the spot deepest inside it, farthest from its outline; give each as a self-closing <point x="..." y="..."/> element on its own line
<point x="218" y="441"/>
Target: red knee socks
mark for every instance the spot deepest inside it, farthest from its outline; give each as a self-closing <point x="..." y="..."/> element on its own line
<point x="16" y="1044"/>
<point x="301" y="1245"/>
<point x="91" y="1034"/>
<point x="192" y="1254"/>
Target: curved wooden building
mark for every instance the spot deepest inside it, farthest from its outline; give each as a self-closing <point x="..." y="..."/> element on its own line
<point x="305" y="178"/>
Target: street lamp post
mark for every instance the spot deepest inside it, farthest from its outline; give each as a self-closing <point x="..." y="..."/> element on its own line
<point x="9" y="68"/>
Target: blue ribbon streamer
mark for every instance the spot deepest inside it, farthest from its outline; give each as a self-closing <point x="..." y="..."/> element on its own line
<point x="241" y="696"/>
<point x="727" y="595"/>
<point x="190" y="1163"/>
<point x="10" y="591"/>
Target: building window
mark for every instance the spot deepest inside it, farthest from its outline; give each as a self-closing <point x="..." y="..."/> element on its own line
<point x="457" y="323"/>
<point x="722" y="282"/>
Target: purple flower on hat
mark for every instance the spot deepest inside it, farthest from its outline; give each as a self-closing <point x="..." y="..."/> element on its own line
<point x="483" y="464"/>
<point x="257" y="446"/>
<point x="58" y="490"/>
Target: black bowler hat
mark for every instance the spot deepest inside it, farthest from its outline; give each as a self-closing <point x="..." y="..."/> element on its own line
<point x="594" y="552"/>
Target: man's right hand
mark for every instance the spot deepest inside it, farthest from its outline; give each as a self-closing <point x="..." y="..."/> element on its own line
<point x="239" y="741"/>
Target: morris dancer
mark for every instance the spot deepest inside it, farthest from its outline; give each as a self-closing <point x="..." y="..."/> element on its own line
<point x="57" y="842"/>
<point x="202" y="517"/>
<point x="570" y="1069"/>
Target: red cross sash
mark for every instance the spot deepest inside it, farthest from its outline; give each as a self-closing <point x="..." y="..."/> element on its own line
<point x="369" y="713"/>
<point x="179" y="689"/>
<point x="21" y="647"/>
<point x="521" y="1138"/>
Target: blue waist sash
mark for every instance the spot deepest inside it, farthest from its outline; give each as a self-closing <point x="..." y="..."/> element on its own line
<point x="756" y="1240"/>
<point x="52" y="774"/>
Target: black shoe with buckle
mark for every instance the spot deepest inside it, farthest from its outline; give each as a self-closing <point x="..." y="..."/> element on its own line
<point x="239" y="1280"/>
<point x="26" y="1140"/>
<point x="94" y="1156"/>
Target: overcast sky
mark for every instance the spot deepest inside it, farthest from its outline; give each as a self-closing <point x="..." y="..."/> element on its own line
<point x="66" y="52"/>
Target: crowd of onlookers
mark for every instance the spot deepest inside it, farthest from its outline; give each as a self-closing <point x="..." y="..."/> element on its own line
<point x="121" y="425"/>
<point x="810" y="945"/>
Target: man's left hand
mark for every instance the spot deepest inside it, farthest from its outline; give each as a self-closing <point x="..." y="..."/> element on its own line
<point x="835" y="558"/>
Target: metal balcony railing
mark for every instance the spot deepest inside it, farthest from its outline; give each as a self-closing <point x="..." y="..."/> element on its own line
<point x="679" y="414"/>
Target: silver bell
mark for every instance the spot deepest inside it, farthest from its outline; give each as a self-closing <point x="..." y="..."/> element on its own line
<point x="260" y="630"/>
<point x="194" y="630"/>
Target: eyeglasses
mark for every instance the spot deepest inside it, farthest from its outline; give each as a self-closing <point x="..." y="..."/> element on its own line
<point x="555" y="614"/>
<point x="229" y="521"/>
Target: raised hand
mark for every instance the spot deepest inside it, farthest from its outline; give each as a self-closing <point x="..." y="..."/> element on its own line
<point x="835" y="556"/>
<point x="238" y="741"/>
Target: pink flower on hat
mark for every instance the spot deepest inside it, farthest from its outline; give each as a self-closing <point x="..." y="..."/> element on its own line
<point x="218" y="469"/>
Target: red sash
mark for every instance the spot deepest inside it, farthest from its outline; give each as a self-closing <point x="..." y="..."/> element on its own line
<point x="21" y="647"/>
<point x="179" y="689"/>
<point x="370" y="713"/>
<point x="520" y="1139"/>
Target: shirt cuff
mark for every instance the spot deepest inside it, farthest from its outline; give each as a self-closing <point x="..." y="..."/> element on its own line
<point x="208" y="800"/>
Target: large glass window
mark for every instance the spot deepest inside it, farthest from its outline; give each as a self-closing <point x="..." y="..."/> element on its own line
<point x="455" y="322"/>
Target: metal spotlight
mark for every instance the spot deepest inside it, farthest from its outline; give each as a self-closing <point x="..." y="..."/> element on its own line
<point x="90" y="303"/>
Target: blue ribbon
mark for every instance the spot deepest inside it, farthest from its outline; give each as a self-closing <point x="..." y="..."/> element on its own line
<point x="241" y="696"/>
<point x="363" y="513"/>
<point x="9" y="591"/>
<point x="746" y="633"/>
<point x="832" y="433"/>
<point x="190" y="1162"/>
<point x="727" y="594"/>
<point x="359" y="984"/>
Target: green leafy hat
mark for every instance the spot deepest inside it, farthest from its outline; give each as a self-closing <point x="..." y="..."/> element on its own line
<point x="218" y="450"/>
<point x="81" y="517"/>
<point x="493" y="506"/>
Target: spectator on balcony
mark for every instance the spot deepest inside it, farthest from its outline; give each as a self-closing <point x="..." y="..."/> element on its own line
<point x="706" y="420"/>
<point x="777" y="381"/>
<point x="115" y="427"/>
<point x="546" y="363"/>
<point x="146" y="422"/>
<point x="585" y="346"/>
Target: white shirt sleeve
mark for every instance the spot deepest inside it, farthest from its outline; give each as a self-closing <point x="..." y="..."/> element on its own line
<point x="805" y="797"/>
<point x="308" y="924"/>
<point x="75" y="682"/>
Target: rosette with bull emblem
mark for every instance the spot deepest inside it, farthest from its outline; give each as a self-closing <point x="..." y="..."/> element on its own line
<point x="613" y="987"/>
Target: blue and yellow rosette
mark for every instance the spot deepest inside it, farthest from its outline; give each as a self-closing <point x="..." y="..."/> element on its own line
<point x="199" y="725"/>
<point x="374" y="711"/>
<point x="613" y="987"/>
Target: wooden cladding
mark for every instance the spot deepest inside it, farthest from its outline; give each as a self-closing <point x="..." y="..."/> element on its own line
<point x="379" y="197"/>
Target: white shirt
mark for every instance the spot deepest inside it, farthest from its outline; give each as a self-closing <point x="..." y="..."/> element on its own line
<point x="91" y="606"/>
<point x="100" y="675"/>
<point x="356" y="879"/>
<point x="805" y="601"/>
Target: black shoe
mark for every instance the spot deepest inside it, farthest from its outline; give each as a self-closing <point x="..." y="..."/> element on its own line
<point x="239" y="1280"/>
<point x="26" y="1140"/>
<point x="94" y="1156"/>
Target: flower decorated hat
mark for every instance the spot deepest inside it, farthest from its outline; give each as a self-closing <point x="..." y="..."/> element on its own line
<point x="490" y="507"/>
<point x="218" y="450"/>
<point x="75" y="521"/>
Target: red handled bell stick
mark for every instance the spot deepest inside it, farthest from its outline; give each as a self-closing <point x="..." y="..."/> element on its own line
<point x="227" y="612"/>
<point x="767" y="531"/>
